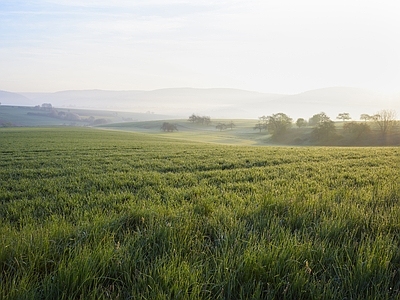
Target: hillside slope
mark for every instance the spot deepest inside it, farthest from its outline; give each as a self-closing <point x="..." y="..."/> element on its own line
<point x="217" y="103"/>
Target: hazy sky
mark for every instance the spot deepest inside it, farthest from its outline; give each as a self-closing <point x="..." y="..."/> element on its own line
<point x="281" y="46"/>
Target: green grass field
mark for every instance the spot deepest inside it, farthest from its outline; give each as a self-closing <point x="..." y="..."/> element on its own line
<point x="97" y="214"/>
<point x="17" y="116"/>
<point x="243" y="133"/>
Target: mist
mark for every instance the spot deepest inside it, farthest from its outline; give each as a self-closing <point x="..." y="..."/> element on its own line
<point x="216" y="103"/>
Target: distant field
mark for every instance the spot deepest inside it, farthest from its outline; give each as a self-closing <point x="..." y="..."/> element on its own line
<point x="243" y="133"/>
<point x="97" y="214"/>
<point x="16" y="116"/>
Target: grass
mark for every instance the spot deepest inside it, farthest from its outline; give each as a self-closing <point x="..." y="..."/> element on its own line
<point x="17" y="116"/>
<point x="243" y="133"/>
<point x="94" y="214"/>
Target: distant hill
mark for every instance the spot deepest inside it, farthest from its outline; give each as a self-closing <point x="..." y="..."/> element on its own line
<point x="36" y="116"/>
<point x="217" y="103"/>
<point x="335" y="100"/>
<point x="175" y="101"/>
<point x="8" y="98"/>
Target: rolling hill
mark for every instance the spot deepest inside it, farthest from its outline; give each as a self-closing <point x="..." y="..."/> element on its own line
<point x="217" y="103"/>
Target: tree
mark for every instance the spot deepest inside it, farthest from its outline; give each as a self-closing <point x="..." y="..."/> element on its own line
<point x="231" y="125"/>
<point x="356" y="130"/>
<point x="207" y="120"/>
<point x="262" y="123"/>
<point x="200" y="120"/>
<point x="318" y="118"/>
<point x="90" y="119"/>
<point x="365" y="117"/>
<point x="260" y="126"/>
<point x="301" y="122"/>
<point x="99" y="121"/>
<point x="324" y="129"/>
<point x="278" y="124"/>
<point x="221" y="126"/>
<point x="47" y="106"/>
<point x="385" y="119"/>
<point x="204" y="120"/>
<point x="168" y="127"/>
<point x="192" y="118"/>
<point x="263" y="119"/>
<point x="343" y="116"/>
<point x="62" y="114"/>
<point x="72" y="117"/>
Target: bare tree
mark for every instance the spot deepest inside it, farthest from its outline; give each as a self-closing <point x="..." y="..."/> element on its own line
<point x="385" y="119"/>
<point x="262" y="123"/>
<point x="260" y="126"/>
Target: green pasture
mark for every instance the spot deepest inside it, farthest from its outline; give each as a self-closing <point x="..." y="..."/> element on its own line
<point x="24" y="116"/>
<point x="101" y="214"/>
<point x="242" y="134"/>
<point x="11" y="116"/>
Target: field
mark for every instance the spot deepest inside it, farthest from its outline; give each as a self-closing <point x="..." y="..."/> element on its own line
<point x="16" y="116"/>
<point x="97" y="214"/>
<point x="243" y="133"/>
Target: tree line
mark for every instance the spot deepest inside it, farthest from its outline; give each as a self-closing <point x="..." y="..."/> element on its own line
<point x="203" y="120"/>
<point x="48" y="110"/>
<point x="324" y="128"/>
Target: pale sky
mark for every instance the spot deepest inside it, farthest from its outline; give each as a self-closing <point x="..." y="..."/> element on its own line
<point x="285" y="46"/>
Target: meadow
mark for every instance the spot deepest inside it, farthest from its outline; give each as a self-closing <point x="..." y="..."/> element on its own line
<point x="97" y="214"/>
<point x="26" y="116"/>
<point x="244" y="132"/>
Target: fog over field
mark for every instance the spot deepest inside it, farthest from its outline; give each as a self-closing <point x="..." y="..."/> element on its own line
<point x="217" y="103"/>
